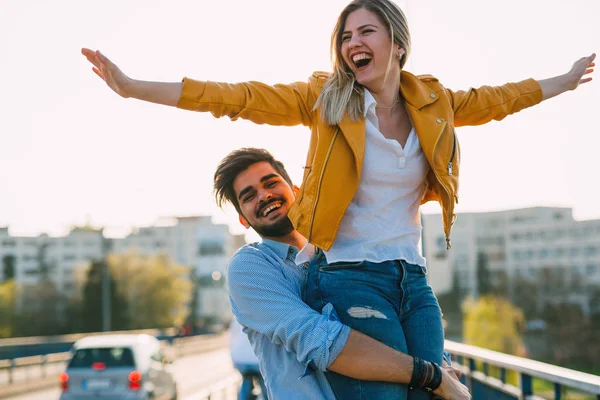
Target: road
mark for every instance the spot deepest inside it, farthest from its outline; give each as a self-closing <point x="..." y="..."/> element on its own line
<point x="193" y="373"/>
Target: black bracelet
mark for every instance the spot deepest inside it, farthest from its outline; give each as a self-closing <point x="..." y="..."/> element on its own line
<point x="436" y="380"/>
<point x="418" y="372"/>
<point x="426" y="375"/>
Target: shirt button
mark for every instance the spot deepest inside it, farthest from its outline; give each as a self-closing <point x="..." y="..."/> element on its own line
<point x="291" y="251"/>
<point x="432" y="95"/>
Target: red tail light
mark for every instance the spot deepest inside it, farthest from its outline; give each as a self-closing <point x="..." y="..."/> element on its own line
<point x="64" y="381"/>
<point x="135" y="380"/>
<point x="98" y="366"/>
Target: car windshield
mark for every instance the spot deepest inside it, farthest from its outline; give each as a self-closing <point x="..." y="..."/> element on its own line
<point x="110" y="357"/>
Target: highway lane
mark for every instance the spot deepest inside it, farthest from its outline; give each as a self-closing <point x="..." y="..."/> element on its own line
<point x="193" y="373"/>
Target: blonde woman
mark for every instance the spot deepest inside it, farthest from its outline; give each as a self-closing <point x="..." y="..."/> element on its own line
<point x="382" y="143"/>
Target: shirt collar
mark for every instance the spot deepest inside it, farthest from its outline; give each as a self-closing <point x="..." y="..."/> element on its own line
<point x="283" y="250"/>
<point x="369" y="101"/>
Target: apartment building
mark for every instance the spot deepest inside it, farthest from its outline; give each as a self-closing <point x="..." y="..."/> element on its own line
<point x="541" y="245"/>
<point x="195" y="242"/>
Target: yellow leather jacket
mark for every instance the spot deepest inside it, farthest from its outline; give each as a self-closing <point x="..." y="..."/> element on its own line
<point x="336" y="153"/>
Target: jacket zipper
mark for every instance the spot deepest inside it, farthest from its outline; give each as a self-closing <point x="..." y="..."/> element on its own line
<point x="448" y="244"/>
<point x="453" y="152"/>
<point x="312" y="219"/>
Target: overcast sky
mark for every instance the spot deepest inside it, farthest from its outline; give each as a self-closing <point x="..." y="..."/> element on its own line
<point x="72" y="151"/>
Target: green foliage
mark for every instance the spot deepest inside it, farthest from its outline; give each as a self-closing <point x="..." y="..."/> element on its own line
<point x="39" y="311"/>
<point x="484" y="284"/>
<point x="91" y="306"/>
<point x="493" y="323"/>
<point x="156" y="289"/>
<point x="8" y="267"/>
<point x="8" y="293"/>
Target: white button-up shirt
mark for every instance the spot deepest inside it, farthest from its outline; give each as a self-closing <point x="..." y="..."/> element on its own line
<point x="382" y="222"/>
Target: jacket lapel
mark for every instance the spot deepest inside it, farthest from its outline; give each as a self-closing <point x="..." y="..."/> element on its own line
<point x="429" y="127"/>
<point x="355" y="134"/>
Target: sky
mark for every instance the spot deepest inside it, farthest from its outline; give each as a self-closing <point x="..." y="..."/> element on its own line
<point x="73" y="152"/>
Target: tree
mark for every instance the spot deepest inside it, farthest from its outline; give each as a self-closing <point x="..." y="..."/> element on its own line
<point x="44" y="268"/>
<point x="484" y="283"/>
<point x="493" y="323"/>
<point x="526" y="297"/>
<point x="156" y="289"/>
<point x="8" y="295"/>
<point x="38" y="311"/>
<point x="8" y="267"/>
<point x="91" y="305"/>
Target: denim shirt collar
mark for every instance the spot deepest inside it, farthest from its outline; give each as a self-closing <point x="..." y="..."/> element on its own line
<point x="283" y="250"/>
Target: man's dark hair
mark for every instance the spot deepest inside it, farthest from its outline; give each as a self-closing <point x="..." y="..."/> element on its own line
<point x="236" y="162"/>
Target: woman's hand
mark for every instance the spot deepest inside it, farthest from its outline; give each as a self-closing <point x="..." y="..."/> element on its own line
<point x="581" y="67"/>
<point x="166" y="93"/>
<point x="108" y="71"/>
<point x="571" y="80"/>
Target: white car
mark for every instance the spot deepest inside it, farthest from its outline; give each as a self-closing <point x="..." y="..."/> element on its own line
<point x="123" y="367"/>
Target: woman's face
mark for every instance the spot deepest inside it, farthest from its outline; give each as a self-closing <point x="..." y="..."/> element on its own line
<point x="366" y="49"/>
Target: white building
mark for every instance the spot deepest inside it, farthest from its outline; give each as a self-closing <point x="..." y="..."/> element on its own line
<point x="34" y="259"/>
<point x="194" y="242"/>
<point x="541" y="245"/>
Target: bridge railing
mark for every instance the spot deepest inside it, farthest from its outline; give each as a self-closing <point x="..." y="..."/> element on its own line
<point x="488" y="373"/>
<point x="37" y="372"/>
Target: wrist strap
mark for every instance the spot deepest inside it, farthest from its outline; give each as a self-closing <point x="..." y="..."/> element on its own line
<point x="426" y="375"/>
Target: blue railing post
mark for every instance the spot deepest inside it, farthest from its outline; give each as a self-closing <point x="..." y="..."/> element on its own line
<point x="526" y="385"/>
<point x="461" y="361"/>
<point x="557" y="391"/>
<point x="503" y="375"/>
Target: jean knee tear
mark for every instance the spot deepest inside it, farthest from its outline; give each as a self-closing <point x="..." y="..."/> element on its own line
<point x="365" y="312"/>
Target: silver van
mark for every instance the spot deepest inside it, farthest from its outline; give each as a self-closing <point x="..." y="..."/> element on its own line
<point x="123" y="367"/>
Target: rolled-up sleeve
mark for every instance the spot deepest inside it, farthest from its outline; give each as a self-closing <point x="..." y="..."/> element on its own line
<point x="264" y="300"/>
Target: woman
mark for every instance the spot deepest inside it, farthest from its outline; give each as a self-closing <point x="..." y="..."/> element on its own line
<point x="382" y="143"/>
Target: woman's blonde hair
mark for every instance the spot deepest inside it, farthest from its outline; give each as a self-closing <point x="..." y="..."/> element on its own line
<point x="341" y="94"/>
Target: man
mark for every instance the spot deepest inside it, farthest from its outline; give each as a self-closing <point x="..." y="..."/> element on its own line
<point x="294" y="343"/>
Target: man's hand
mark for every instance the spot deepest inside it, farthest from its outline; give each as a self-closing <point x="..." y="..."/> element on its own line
<point x="451" y="388"/>
<point x="108" y="72"/>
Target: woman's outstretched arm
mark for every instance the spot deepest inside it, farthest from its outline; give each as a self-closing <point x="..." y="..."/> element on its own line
<point x="167" y="93"/>
<point x="571" y="80"/>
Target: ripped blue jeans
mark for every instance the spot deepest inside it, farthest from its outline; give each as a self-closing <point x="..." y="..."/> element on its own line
<point x="388" y="301"/>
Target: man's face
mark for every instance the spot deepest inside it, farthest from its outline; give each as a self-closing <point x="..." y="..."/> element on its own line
<point x="264" y="198"/>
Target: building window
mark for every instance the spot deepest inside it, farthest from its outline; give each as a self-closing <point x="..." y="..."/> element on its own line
<point x="574" y="251"/>
<point x="591" y="269"/>
<point x="69" y="257"/>
<point x="9" y="243"/>
<point x="211" y="249"/>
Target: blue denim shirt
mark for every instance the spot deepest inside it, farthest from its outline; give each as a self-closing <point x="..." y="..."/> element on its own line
<point x="293" y="342"/>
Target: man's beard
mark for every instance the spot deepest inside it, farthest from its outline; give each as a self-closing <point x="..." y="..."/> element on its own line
<point x="280" y="228"/>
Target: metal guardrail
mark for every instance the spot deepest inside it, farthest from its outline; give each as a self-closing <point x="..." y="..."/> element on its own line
<point x="18" y="375"/>
<point x="36" y="345"/>
<point x="223" y="390"/>
<point x="476" y="364"/>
